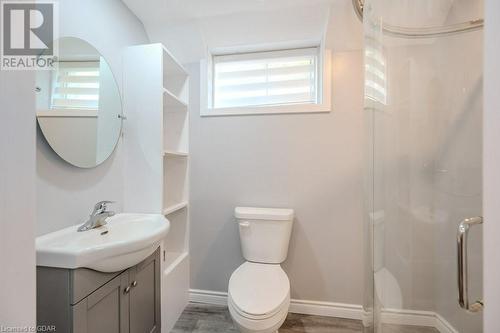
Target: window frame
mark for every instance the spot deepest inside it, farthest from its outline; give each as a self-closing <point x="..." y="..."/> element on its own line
<point x="323" y="103"/>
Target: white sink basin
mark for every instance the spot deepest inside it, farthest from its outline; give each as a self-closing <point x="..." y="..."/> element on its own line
<point x="124" y="241"/>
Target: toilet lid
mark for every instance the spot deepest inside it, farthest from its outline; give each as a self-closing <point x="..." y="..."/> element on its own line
<point x="258" y="289"/>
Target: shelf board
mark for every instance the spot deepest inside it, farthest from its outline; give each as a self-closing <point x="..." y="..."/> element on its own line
<point x="172" y="101"/>
<point x="171" y="66"/>
<point x="173" y="208"/>
<point x="173" y="153"/>
<point x="172" y="260"/>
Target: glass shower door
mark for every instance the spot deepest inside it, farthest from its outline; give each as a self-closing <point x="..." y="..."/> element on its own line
<point x="423" y="108"/>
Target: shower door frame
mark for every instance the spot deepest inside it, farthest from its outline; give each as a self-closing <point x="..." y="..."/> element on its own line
<point x="491" y="167"/>
<point x="491" y="176"/>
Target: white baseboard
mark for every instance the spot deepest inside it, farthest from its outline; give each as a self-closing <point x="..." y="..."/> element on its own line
<point x="417" y="318"/>
<point x="340" y="310"/>
<point x="443" y="326"/>
<point x="408" y="317"/>
<point x="207" y="297"/>
<point x="327" y="309"/>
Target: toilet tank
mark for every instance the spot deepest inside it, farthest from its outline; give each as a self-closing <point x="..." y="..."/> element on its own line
<point x="264" y="233"/>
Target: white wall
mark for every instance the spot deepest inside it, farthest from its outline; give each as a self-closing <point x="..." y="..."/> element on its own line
<point x="309" y="162"/>
<point x="66" y="194"/>
<point x="491" y="179"/>
<point x="257" y="27"/>
<point x="17" y="199"/>
<point x="266" y="22"/>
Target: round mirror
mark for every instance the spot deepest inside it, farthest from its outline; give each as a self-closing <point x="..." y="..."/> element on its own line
<point x="79" y="108"/>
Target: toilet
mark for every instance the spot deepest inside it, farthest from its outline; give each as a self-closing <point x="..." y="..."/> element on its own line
<point x="259" y="290"/>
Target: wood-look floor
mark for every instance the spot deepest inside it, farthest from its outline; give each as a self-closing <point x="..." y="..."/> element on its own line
<point x="202" y="318"/>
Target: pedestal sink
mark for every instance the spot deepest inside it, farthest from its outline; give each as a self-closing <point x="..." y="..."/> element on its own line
<point x="124" y="241"/>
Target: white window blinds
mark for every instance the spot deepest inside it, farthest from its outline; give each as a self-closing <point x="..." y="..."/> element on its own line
<point x="265" y="78"/>
<point x="76" y="85"/>
<point x="375" y="72"/>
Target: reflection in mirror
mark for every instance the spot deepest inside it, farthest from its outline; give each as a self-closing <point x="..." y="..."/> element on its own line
<point x="79" y="108"/>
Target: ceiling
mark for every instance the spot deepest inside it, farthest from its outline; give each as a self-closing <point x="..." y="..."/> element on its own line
<point x="178" y="11"/>
<point x="191" y="27"/>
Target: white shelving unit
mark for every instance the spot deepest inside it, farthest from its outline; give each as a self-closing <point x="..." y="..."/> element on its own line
<point x="173" y="208"/>
<point x="156" y="136"/>
<point x="174" y="103"/>
<point x="171" y="153"/>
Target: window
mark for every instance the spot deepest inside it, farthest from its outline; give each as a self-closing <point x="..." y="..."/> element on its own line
<point x="76" y="86"/>
<point x="272" y="78"/>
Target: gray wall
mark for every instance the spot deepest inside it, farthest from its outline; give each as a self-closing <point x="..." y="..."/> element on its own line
<point x="17" y="198"/>
<point x="66" y="194"/>
<point x="309" y="162"/>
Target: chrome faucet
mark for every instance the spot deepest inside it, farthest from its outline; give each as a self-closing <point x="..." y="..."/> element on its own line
<point x="98" y="216"/>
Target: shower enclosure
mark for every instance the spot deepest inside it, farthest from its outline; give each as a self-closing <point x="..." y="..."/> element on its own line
<point x="423" y="109"/>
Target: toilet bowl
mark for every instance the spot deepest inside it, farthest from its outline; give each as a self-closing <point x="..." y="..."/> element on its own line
<point x="259" y="297"/>
<point x="259" y="289"/>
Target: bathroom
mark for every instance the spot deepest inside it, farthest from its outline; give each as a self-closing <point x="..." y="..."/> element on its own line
<point x="250" y="166"/>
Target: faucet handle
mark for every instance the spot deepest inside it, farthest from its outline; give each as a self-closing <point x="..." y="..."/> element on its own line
<point x="102" y="205"/>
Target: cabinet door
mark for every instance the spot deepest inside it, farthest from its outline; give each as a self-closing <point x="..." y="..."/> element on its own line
<point x="106" y="310"/>
<point x="145" y="296"/>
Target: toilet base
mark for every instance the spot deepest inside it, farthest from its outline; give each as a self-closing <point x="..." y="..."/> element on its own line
<point x="269" y="325"/>
<point x="246" y="329"/>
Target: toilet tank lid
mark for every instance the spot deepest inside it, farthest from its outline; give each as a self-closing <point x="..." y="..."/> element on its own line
<point x="272" y="214"/>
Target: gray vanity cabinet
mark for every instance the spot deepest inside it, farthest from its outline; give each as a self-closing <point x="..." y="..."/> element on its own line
<point x="86" y="301"/>
<point x="144" y="302"/>
<point x="105" y="310"/>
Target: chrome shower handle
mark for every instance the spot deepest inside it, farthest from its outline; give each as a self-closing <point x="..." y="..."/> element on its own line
<point x="463" y="270"/>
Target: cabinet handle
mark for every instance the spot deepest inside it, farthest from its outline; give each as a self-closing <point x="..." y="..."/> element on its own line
<point x="126" y="290"/>
<point x="134" y="283"/>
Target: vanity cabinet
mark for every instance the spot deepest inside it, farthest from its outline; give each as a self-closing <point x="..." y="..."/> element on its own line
<point x="87" y="301"/>
<point x="105" y="310"/>
<point x="144" y="299"/>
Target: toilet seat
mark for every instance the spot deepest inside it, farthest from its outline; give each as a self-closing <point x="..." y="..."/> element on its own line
<point x="259" y="291"/>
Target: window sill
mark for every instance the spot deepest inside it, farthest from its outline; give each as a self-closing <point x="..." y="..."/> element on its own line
<point x="266" y="110"/>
